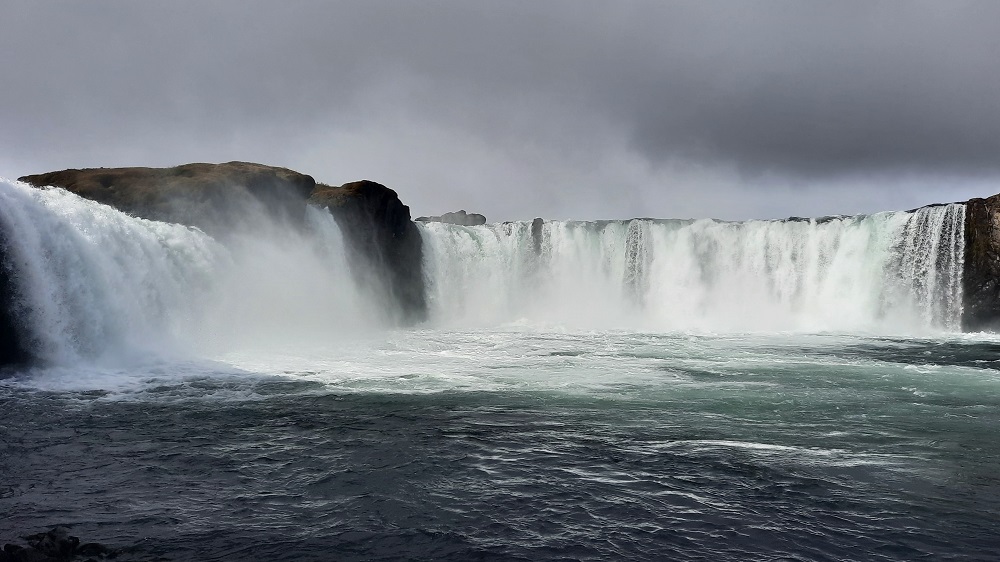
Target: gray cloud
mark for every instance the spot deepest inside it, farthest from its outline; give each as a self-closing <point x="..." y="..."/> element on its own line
<point x="516" y="109"/>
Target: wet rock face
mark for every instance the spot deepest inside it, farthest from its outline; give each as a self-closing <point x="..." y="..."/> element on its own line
<point x="537" y="226"/>
<point x="384" y="245"/>
<point x="213" y="197"/>
<point x="12" y="349"/>
<point x="981" y="277"/>
<point x="458" y="217"/>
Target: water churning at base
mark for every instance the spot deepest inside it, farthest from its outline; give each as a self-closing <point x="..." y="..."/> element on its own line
<point x="893" y="272"/>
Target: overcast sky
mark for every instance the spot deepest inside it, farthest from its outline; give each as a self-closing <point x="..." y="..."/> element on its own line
<point x="517" y="109"/>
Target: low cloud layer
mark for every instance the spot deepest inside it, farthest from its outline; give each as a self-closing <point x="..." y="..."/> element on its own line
<point x="558" y="109"/>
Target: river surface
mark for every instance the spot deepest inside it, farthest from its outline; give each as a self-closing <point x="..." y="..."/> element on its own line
<point x="520" y="442"/>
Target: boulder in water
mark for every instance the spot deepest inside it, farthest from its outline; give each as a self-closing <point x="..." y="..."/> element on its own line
<point x="383" y="242"/>
<point x="56" y="543"/>
<point x="458" y="217"/>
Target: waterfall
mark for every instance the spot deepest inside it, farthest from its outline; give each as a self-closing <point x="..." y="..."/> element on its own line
<point x="897" y="271"/>
<point x="88" y="282"/>
<point x="83" y="281"/>
<point x="929" y="259"/>
<point x="87" y="278"/>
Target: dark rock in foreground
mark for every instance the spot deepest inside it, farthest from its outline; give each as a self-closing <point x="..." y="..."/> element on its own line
<point x="54" y="545"/>
<point x="458" y="217"/>
<point x="213" y="197"/>
<point x="981" y="278"/>
<point x="384" y="244"/>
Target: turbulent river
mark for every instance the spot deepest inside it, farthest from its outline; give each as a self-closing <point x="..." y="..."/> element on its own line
<point x="639" y="390"/>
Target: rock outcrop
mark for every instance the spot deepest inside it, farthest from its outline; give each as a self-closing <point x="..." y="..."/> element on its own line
<point x="384" y="245"/>
<point x="55" y="545"/>
<point x="981" y="278"/>
<point x="537" y="227"/>
<point x="12" y="348"/>
<point x="458" y="217"/>
<point x="213" y="197"/>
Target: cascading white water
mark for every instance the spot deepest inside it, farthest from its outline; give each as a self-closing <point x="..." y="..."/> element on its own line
<point x="883" y="272"/>
<point x="91" y="282"/>
<point x="88" y="278"/>
<point x="930" y="253"/>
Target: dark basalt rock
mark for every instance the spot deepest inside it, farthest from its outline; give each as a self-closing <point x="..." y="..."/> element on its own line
<point x="458" y="217"/>
<point x="54" y="545"/>
<point x="818" y="220"/>
<point x="212" y="197"/>
<point x="536" y="234"/>
<point x="13" y="349"/>
<point x="981" y="278"/>
<point x="384" y="244"/>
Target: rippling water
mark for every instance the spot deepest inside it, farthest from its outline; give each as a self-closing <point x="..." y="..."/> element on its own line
<point x="520" y="444"/>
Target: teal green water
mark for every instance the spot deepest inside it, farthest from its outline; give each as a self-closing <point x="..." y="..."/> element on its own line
<point x="521" y="444"/>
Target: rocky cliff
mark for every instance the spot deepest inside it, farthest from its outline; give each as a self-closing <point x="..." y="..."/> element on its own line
<point x="12" y="348"/>
<point x="385" y="245"/>
<point x="213" y="197"/>
<point x="981" y="278"/>
<point x="458" y="217"/>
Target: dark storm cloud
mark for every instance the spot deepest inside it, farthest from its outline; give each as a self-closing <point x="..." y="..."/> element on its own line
<point x="853" y="87"/>
<point x="804" y="91"/>
<point x="784" y="86"/>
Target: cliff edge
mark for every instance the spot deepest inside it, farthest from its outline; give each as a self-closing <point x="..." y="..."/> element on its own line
<point x="212" y="197"/>
<point x="981" y="275"/>
<point x="385" y="246"/>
